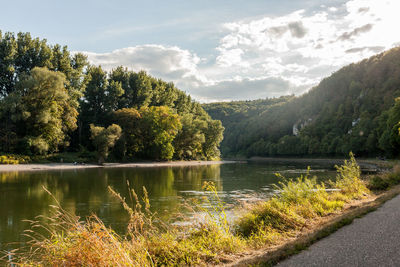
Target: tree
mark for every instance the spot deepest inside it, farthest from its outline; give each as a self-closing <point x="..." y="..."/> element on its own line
<point x="104" y="139"/>
<point x="159" y="127"/>
<point x="189" y="141"/>
<point x="131" y="141"/>
<point x="213" y="136"/>
<point x="41" y="110"/>
<point x="20" y="54"/>
<point x="96" y="94"/>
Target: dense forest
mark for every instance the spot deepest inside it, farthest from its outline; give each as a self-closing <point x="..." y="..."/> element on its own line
<point x="52" y="100"/>
<point x="355" y="109"/>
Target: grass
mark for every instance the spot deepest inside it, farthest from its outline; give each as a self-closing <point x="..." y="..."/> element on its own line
<point x="384" y="181"/>
<point x="71" y="242"/>
<point x="300" y="202"/>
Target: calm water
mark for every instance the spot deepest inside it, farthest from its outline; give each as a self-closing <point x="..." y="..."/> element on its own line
<point x="85" y="191"/>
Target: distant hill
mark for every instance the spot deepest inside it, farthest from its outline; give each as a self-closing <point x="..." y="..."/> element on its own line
<point x="352" y="110"/>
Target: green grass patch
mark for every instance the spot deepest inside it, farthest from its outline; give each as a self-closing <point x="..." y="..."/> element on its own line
<point x="384" y="181"/>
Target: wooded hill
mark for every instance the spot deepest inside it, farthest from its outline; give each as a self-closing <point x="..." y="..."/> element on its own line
<point x="52" y="100"/>
<point x="355" y="109"/>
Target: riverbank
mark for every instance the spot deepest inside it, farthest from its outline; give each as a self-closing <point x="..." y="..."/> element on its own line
<point x="371" y="240"/>
<point x="72" y="166"/>
<point x="264" y="225"/>
<point x="366" y="164"/>
<point x="321" y="228"/>
<point x="384" y="186"/>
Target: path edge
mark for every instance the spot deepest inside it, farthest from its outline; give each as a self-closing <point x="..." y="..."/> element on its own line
<point x="271" y="256"/>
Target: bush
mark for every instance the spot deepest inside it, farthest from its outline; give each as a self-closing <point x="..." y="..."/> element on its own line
<point x="385" y="181"/>
<point x="14" y="159"/>
<point x="377" y="183"/>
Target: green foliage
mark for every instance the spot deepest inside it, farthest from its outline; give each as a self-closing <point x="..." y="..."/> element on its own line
<point x="101" y="96"/>
<point x="104" y="139"/>
<point x="131" y="142"/>
<point x="352" y="110"/>
<point x="148" y="132"/>
<point x="159" y="127"/>
<point x="13" y="159"/>
<point x="40" y="111"/>
<point x="189" y="141"/>
<point x="213" y="136"/>
<point x="20" y="54"/>
<point x="378" y="183"/>
<point x="386" y="180"/>
<point x="43" y="88"/>
<point x="348" y="180"/>
<point x="158" y="121"/>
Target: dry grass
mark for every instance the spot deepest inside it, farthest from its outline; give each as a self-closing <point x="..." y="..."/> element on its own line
<point x="299" y="203"/>
<point x="67" y="241"/>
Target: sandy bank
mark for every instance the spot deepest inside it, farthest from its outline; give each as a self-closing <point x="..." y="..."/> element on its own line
<point x="70" y="166"/>
<point x="163" y="164"/>
<point x="45" y="167"/>
<point x="365" y="164"/>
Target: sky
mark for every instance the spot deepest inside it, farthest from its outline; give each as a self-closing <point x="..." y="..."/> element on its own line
<point x="216" y="50"/>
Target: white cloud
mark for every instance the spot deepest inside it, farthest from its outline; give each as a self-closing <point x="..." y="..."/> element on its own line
<point x="231" y="57"/>
<point x="172" y="63"/>
<point x="271" y="56"/>
<point x="296" y="45"/>
<point x="244" y="89"/>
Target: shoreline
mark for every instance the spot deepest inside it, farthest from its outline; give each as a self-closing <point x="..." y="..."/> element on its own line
<point x="366" y="164"/>
<point x="369" y="165"/>
<point x="71" y="166"/>
<point x="319" y="229"/>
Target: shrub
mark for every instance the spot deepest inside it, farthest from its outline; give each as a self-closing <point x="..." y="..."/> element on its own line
<point x="385" y="181"/>
<point x="378" y="183"/>
<point x="348" y="179"/>
<point x="14" y="159"/>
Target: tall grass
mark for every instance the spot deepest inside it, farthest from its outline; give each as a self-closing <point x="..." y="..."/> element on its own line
<point x="148" y="242"/>
<point x="299" y="202"/>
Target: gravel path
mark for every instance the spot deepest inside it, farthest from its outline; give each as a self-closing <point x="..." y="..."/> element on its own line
<point x="373" y="240"/>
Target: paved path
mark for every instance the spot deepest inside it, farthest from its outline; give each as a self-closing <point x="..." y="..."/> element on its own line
<point x="373" y="240"/>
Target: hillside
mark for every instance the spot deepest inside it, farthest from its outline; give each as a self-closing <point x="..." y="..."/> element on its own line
<point x="352" y="110"/>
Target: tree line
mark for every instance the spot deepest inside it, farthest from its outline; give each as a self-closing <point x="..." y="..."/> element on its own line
<point x="52" y="100"/>
<point x="355" y="109"/>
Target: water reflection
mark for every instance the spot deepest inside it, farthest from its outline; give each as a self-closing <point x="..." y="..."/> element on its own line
<point x="84" y="191"/>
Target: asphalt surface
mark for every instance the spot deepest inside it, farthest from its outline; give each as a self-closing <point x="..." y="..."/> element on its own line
<point x="373" y="240"/>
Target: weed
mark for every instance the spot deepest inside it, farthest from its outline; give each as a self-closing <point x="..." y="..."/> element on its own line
<point x="69" y="241"/>
<point x="386" y="180"/>
<point x="300" y="201"/>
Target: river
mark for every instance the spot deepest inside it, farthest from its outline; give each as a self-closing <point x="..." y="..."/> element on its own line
<point x="84" y="191"/>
